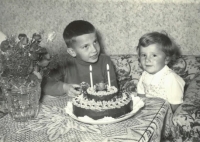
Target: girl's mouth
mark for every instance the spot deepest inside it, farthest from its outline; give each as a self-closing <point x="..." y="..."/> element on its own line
<point x="148" y="65"/>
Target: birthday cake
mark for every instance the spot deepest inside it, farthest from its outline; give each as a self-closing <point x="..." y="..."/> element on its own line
<point x="102" y="101"/>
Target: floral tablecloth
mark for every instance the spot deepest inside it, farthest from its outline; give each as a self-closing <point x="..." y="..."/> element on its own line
<point x="54" y="124"/>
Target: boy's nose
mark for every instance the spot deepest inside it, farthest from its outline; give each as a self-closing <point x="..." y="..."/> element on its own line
<point x="93" y="48"/>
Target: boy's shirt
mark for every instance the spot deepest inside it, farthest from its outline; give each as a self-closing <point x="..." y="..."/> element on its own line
<point x="77" y="71"/>
<point x="164" y="84"/>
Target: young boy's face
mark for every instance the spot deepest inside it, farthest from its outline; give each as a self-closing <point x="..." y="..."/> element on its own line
<point x="152" y="58"/>
<point x="86" y="47"/>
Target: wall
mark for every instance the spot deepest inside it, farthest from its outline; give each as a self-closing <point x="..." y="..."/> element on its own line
<point x="121" y="22"/>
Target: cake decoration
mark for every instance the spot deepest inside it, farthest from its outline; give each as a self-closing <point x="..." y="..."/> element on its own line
<point x="101" y="86"/>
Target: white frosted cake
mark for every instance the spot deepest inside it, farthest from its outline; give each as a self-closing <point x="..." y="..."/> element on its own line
<point x="102" y="101"/>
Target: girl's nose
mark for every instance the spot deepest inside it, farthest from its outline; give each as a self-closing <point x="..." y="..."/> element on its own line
<point x="148" y="59"/>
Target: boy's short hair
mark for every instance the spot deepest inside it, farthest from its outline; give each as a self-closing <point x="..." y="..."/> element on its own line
<point x="167" y="44"/>
<point x="77" y="28"/>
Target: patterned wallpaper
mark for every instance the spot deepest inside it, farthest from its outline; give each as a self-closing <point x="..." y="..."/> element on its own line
<point x="120" y="22"/>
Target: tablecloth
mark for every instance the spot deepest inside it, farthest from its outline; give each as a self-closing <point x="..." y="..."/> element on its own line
<point x="54" y="124"/>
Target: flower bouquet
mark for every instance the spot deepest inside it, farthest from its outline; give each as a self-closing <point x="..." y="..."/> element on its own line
<point x="22" y="61"/>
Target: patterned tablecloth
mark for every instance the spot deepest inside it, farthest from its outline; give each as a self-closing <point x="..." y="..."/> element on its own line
<point x="53" y="124"/>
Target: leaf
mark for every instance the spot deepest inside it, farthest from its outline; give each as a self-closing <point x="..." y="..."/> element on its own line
<point x="54" y="134"/>
<point x="52" y="127"/>
<point x="64" y="130"/>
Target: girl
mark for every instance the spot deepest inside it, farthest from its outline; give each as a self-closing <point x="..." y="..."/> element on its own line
<point x="156" y="51"/>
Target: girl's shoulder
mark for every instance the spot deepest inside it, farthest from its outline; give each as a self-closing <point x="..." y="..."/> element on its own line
<point x="171" y="76"/>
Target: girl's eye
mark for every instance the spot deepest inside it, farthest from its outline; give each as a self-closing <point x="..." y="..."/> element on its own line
<point x="143" y="55"/>
<point x="154" y="55"/>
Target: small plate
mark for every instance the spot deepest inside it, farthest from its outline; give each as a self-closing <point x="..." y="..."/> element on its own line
<point x="137" y="105"/>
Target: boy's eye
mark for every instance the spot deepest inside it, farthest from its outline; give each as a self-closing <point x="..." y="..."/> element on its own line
<point x="154" y="55"/>
<point x="86" y="46"/>
<point x="95" y="42"/>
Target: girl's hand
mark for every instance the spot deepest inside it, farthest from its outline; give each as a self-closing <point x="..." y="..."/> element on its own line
<point x="71" y="89"/>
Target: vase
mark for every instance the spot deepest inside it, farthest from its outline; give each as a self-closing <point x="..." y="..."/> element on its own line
<point x="22" y="97"/>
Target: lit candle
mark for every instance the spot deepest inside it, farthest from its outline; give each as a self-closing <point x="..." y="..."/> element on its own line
<point x="91" y="80"/>
<point x="108" y="75"/>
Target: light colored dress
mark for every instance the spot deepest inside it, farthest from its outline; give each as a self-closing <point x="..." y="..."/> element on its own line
<point x="165" y="84"/>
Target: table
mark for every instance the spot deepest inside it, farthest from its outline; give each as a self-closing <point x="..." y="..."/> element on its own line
<point x="53" y="124"/>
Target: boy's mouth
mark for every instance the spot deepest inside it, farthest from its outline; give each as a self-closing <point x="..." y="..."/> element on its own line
<point x="94" y="56"/>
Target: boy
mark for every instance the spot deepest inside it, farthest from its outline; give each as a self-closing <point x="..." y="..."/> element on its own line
<point x="83" y="50"/>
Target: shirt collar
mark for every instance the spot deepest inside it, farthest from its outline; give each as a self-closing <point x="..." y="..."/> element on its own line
<point x="163" y="70"/>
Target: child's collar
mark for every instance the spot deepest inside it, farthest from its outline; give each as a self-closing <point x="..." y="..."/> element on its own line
<point x="79" y="61"/>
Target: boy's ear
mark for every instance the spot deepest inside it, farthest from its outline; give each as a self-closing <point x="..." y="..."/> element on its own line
<point x="71" y="52"/>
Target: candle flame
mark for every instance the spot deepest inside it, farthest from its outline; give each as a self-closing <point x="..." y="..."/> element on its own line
<point x="90" y="68"/>
<point x="107" y="67"/>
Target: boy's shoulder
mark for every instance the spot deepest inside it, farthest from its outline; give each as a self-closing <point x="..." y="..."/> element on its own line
<point x="103" y="60"/>
<point x="104" y="57"/>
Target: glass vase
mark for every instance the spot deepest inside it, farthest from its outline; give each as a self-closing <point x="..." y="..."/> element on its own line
<point x="22" y="97"/>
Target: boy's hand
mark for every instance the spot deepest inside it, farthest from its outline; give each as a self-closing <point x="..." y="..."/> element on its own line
<point x="71" y="89"/>
<point x="142" y="96"/>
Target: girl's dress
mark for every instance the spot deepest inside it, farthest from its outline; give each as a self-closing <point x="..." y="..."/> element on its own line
<point x="164" y="84"/>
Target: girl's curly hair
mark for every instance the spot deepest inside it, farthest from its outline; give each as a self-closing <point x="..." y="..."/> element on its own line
<point x="168" y="45"/>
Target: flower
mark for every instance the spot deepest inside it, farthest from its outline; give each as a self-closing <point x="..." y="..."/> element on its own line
<point x="22" y="57"/>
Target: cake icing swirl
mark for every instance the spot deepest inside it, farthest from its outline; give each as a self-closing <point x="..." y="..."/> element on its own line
<point x="83" y="102"/>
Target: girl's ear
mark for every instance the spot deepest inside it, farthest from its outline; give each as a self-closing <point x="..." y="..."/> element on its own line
<point x="71" y="52"/>
<point x="139" y="62"/>
<point x="167" y="60"/>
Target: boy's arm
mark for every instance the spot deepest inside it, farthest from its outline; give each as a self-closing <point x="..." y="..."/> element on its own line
<point x="53" y="84"/>
<point x="141" y="95"/>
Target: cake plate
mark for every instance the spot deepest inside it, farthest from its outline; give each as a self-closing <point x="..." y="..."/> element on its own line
<point x="137" y="105"/>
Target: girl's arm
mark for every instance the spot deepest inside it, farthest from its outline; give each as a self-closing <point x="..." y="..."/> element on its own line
<point x="175" y="89"/>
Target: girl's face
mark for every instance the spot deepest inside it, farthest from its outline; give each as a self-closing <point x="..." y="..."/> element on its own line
<point x="86" y="47"/>
<point x="152" y="58"/>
